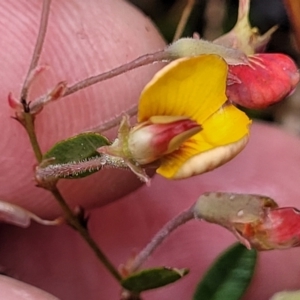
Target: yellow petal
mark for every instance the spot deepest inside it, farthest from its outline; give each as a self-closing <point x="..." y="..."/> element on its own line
<point x="226" y="126"/>
<point x="188" y="87"/>
<point x="223" y="136"/>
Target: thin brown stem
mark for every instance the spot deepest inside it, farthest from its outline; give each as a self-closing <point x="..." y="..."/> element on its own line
<point x="293" y="9"/>
<point x="140" y="61"/>
<point x="132" y="111"/>
<point x="29" y="126"/>
<point x="28" y="122"/>
<point x="184" y="19"/>
<point x="37" y="49"/>
<point x="163" y="233"/>
<point x="73" y="221"/>
<point x="70" y="217"/>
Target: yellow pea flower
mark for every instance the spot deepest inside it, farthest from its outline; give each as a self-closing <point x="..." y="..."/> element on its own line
<point x="185" y="124"/>
<point x="195" y="88"/>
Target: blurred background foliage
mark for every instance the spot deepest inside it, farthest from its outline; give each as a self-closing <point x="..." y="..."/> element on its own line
<point x="212" y="18"/>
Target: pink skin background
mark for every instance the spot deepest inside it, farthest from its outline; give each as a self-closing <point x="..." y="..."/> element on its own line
<point x="85" y="39"/>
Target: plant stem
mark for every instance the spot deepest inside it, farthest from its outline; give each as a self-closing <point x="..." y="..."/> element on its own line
<point x="138" y="62"/>
<point x="163" y="233"/>
<point x="29" y="126"/>
<point x="73" y="221"/>
<point x="115" y="121"/>
<point x="183" y="20"/>
<point x="28" y="122"/>
<point x="38" y="48"/>
<point x="293" y="8"/>
<point x="70" y="217"/>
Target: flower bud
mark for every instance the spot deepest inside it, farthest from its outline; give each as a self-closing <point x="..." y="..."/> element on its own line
<point x="278" y="229"/>
<point x="266" y="80"/>
<point x="243" y="36"/>
<point x="255" y="220"/>
<point x="159" y="136"/>
<point x="17" y="106"/>
<point x="150" y="140"/>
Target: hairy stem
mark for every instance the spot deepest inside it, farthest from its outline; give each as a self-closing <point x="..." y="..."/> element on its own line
<point x="73" y="221"/>
<point x="140" y="61"/>
<point x="70" y="217"/>
<point x="37" y="49"/>
<point x="28" y="122"/>
<point x="163" y="233"/>
<point x="132" y="111"/>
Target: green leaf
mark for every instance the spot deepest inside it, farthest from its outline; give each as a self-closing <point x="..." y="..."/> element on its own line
<point x="229" y="276"/>
<point x="76" y="149"/>
<point x="152" y="278"/>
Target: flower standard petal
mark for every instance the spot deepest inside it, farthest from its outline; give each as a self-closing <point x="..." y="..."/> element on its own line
<point x="190" y="87"/>
<point x="223" y="136"/>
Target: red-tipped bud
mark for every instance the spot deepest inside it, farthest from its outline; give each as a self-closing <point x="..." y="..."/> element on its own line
<point x="277" y="229"/>
<point x="56" y="93"/>
<point x="255" y="220"/>
<point x="266" y="80"/>
<point x="14" y="103"/>
<point x="17" y="106"/>
<point x="151" y="140"/>
<point x="155" y="138"/>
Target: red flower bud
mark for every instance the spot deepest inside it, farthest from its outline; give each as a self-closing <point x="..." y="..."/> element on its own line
<point x="151" y="140"/>
<point x="278" y="229"/>
<point x="266" y="80"/>
<point x="255" y="220"/>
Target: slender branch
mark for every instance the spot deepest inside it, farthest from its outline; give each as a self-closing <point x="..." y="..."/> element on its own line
<point x="28" y="122"/>
<point x="37" y="49"/>
<point x="184" y="19"/>
<point x="29" y="126"/>
<point x="70" y="217"/>
<point x="181" y="219"/>
<point x="132" y="111"/>
<point x="140" y="61"/>
<point x="73" y="221"/>
<point x="293" y="8"/>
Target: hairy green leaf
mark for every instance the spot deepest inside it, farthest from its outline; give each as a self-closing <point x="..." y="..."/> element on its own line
<point x="75" y="149"/>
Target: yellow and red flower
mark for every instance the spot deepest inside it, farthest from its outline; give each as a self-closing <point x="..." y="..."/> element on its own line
<point x="185" y="124"/>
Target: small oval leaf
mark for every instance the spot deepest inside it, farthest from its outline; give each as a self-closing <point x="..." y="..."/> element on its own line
<point x="229" y="276"/>
<point x="75" y="149"/>
<point x="152" y="278"/>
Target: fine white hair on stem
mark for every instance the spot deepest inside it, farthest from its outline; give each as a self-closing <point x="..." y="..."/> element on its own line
<point x="76" y="168"/>
<point x="113" y="122"/>
<point x="160" y="236"/>
<point x="138" y="62"/>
